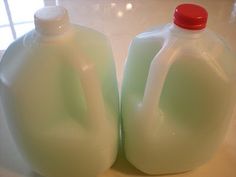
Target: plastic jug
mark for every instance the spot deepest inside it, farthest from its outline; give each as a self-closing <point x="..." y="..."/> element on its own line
<point x="178" y="94"/>
<point x="60" y="96"/>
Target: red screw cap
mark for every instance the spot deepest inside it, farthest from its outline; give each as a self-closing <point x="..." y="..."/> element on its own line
<point x="190" y="16"/>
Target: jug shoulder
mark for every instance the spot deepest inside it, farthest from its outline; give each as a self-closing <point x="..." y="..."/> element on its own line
<point x="13" y="50"/>
<point x="154" y="32"/>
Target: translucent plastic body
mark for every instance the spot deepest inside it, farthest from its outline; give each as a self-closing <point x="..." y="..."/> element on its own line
<point x="178" y="96"/>
<point x="60" y="97"/>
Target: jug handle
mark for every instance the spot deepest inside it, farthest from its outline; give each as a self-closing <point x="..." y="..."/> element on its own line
<point x="158" y="71"/>
<point x="92" y="90"/>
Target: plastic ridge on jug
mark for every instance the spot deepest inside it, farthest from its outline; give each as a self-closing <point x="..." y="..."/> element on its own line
<point x="178" y="94"/>
<point x="60" y="97"/>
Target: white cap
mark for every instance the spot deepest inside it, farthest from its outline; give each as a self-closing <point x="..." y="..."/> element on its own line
<point x="51" y="20"/>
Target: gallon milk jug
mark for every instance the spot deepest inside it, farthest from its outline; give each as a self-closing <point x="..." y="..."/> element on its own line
<point x="178" y="94"/>
<point x="60" y="96"/>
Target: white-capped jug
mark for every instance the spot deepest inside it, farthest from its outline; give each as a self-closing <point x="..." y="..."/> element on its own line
<point x="60" y="96"/>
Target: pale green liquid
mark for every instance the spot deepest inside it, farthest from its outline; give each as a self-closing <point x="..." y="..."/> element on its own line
<point x="194" y="96"/>
<point x="196" y="106"/>
<point x="47" y="111"/>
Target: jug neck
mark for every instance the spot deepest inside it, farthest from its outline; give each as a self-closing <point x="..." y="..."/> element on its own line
<point x="65" y="36"/>
<point x="178" y="31"/>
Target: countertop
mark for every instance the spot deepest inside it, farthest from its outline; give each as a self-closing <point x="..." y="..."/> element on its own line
<point x="120" y="21"/>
